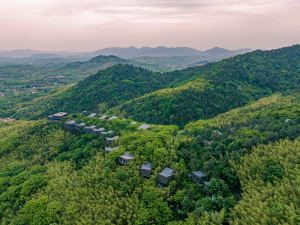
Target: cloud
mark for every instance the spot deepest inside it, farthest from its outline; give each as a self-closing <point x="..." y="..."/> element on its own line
<point x="94" y="24"/>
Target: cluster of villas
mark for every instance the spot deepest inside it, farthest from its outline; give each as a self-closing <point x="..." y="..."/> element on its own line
<point x="164" y="177"/>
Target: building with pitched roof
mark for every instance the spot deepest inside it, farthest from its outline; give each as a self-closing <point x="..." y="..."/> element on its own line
<point x="165" y="176"/>
<point x="125" y="158"/>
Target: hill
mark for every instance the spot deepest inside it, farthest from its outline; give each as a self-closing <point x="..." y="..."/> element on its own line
<point x="95" y="64"/>
<point x="221" y="147"/>
<point x="221" y="53"/>
<point x="101" y="91"/>
<point x="51" y="175"/>
<point x="219" y="87"/>
<point x="22" y="83"/>
<point x="133" y="52"/>
<point x="191" y="94"/>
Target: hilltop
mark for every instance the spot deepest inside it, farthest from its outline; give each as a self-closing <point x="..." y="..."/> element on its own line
<point x="133" y="52"/>
<point x="105" y="89"/>
<point x="219" y="87"/>
<point x="181" y="96"/>
<point x="53" y="175"/>
<point x="22" y="83"/>
<point x="229" y="157"/>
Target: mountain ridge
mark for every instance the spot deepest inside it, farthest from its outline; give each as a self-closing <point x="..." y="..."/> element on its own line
<point x="230" y="83"/>
<point x="123" y="52"/>
<point x="133" y="52"/>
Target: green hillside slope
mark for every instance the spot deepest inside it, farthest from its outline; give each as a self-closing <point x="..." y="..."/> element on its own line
<point x="228" y="84"/>
<point x="23" y="83"/>
<point x="191" y="94"/>
<point x="49" y="175"/>
<point x="270" y="179"/>
<point x="219" y="146"/>
<point x="107" y="88"/>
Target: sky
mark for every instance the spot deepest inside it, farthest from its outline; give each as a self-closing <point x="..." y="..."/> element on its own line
<point x="87" y="25"/>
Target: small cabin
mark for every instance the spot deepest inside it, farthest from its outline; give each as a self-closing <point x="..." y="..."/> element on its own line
<point x="80" y="126"/>
<point x="107" y="132"/>
<point x="125" y="158"/>
<point x="89" y="129"/>
<point x="144" y="127"/>
<point x="198" y="176"/>
<point x="146" y="169"/>
<point x="69" y="125"/>
<point x="111" y="140"/>
<point x="113" y="118"/>
<point x="92" y="115"/>
<point x="58" y="116"/>
<point x="98" y="131"/>
<point x="103" y="117"/>
<point x="109" y="149"/>
<point x="165" y="176"/>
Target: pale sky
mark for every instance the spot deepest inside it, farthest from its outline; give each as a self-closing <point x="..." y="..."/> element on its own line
<point x="84" y="25"/>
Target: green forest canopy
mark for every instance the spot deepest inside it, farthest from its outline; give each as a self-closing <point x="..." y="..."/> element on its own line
<point x="49" y="175"/>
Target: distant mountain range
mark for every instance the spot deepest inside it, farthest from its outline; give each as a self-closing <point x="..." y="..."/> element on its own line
<point x="176" y="97"/>
<point x="133" y="52"/>
<point x="130" y="52"/>
<point x="160" y="59"/>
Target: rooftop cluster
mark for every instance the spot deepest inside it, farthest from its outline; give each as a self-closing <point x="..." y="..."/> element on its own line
<point x="112" y="143"/>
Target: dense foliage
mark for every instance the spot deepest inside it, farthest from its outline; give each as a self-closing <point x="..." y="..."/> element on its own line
<point x="101" y="91"/>
<point x="270" y="185"/>
<point x="49" y="175"/>
<point x="229" y="84"/>
<point x="249" y="155"/>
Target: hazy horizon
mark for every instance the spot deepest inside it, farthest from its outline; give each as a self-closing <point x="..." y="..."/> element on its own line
<point x="66" y="51"/>
<point x="88" y="25"/>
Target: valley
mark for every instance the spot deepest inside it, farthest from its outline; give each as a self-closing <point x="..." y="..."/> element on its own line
<point x="210" y="144"/>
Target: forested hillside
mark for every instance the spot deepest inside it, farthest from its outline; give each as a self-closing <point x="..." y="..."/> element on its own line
<point x="51" y="175"/>
<point x="224" y="85"/>
<point x="23" y="83"/>
<point x="101" y="91"/>
<point x="220" y="146"/>
<point x="270" y="179"/>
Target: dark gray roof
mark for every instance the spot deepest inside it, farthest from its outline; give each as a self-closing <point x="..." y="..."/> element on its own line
<point x="103" y="117"/>
<point x="81" y="125"/>
<point x="144" y="127"/>
<point x="146" y="166"/>
<point x="91" y="127"/>
<point x="92" y="115"/>
<point x="70" y="122"/>
<point x="167" y="172"/>
<point x="112" y="138"/>
<point x="109" y="149"/>
<point x="101" y="129"/>
<point x="60" y="114"/>
<point x="127" y="156"/>
<point x="199" y="173"/>
<point x="107" y="132"/>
